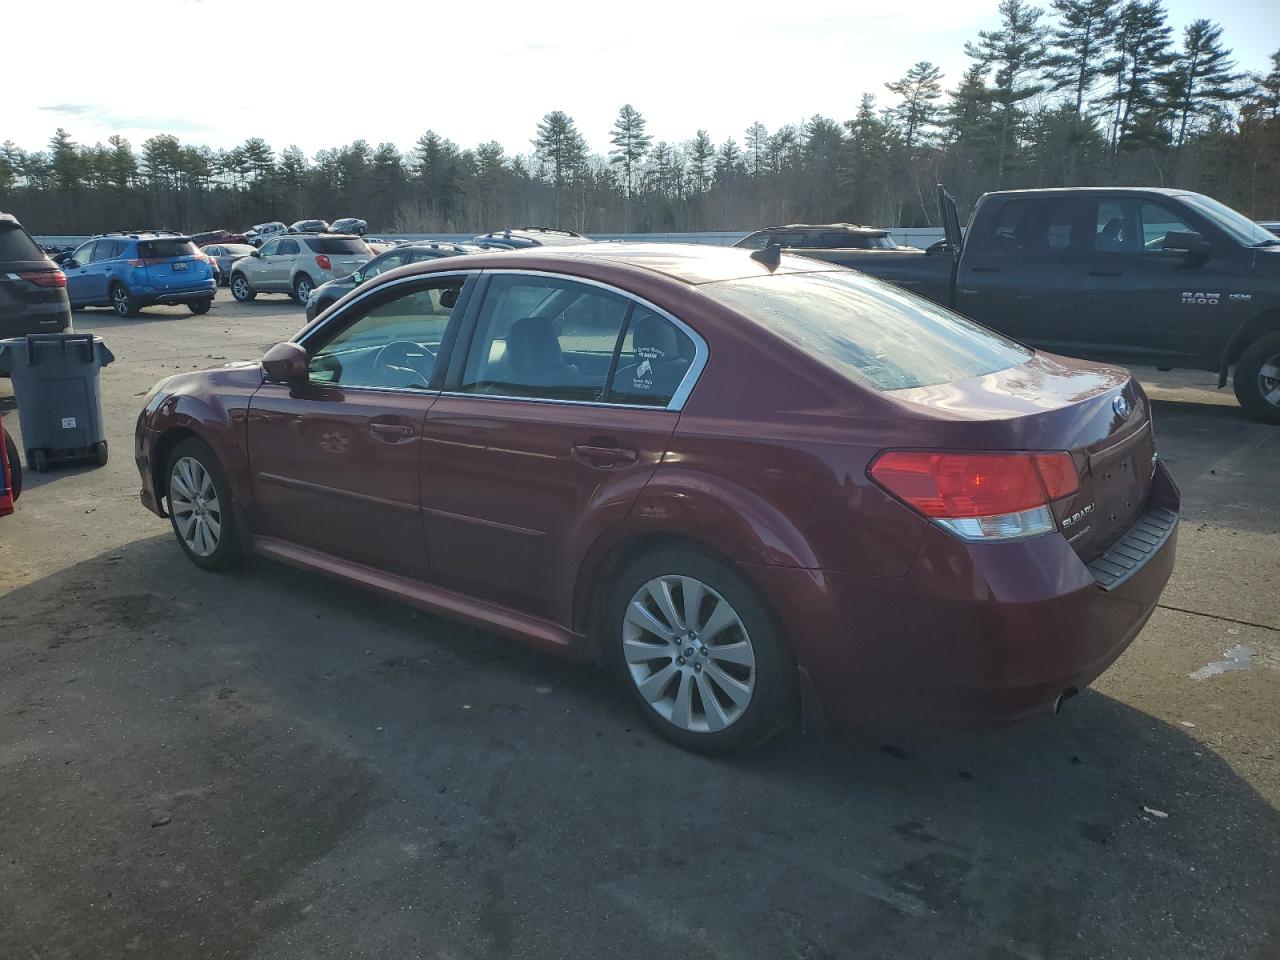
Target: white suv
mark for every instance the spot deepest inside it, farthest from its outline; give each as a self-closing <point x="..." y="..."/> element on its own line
<point x="296" y="265"/>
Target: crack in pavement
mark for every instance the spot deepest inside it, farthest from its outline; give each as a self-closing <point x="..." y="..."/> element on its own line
<point x="1218" y="616"/>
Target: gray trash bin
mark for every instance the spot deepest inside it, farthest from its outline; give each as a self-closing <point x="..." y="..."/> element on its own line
<point x="55" y="381"/>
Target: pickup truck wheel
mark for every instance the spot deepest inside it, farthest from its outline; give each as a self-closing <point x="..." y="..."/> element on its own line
<point x="1257" y="379"/>
<point x="240" y="288"/>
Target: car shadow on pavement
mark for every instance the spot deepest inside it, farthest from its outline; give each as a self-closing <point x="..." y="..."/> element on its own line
<point x="268" y="763"/>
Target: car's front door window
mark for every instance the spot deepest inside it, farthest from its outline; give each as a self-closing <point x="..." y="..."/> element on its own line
<point x="84" y="253"/>
<point x="270" y="248"/>
<point x="391" y="345"/>
<point x="1157" y="222"/>
<point x="383" y="264"/>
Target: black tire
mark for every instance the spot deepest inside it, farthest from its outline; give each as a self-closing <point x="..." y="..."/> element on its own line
<point x="100" y="453"/>
<point x="15" y="466"/>
<point x="37" y="460"/>
<point x="303" y="287"/>
<point x="240" y="288"/>
<point x="773" y="692"/>
<point x="227" y="555"/>
<point x="200" y="307"/>
<point x="1252" y="388"/>
<point x="122" y="301"/>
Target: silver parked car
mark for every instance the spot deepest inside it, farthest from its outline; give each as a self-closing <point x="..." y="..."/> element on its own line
<point x="296" y="264"/>
<point x="225" y="254"/>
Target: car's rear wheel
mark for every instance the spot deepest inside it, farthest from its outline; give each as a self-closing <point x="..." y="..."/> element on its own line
<point x="199" y="307"/>
<point x="698" y="652"/>
<point x="200" y="506"/>
<point x="1257" y="379"/>
<point x="302" y="288"/>
<point x="122" y="301"/>
<point x="240" y="288"/>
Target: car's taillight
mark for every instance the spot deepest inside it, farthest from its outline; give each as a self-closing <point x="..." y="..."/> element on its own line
<point x="322" y="261"/>
<point x="44" y="278"/>
<point x="979" y="496"/>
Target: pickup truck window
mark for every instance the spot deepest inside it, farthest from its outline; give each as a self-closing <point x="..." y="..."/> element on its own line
<point x="1033" y="226"/>
<point x="1128" y="225"/>
<point x="1156" y="222"/>
<point x="1232" y="222"/>
<point x="870" y="330"/>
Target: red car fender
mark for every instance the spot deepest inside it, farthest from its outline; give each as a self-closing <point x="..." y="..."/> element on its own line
<point x="7" y="495"/>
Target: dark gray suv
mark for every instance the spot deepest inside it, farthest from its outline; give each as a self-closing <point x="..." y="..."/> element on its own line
<point x="33" y="289"/>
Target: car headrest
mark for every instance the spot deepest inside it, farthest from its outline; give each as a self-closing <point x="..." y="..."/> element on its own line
<point x="532" y="344"/>
<point x="655" y="339"/>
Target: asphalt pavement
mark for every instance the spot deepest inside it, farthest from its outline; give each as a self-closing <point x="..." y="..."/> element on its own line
<point x="268" y="765"/>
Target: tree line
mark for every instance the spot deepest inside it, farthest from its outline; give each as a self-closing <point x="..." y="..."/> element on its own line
<point x="1092" y="92"/>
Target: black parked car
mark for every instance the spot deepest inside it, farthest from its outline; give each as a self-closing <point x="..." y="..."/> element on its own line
<point x="820" y="236"/>
<point x="327" y="294"/>
<point x="516" y="238"/>
<point x="309" y="226"/>
<point x="33" y="289"/>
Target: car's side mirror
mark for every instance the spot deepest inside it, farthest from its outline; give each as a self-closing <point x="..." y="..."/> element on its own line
<point x="69" y="264"/>
<point x="1185" y="241"/>
<point x="256" y="253"/>
<point x="285" y="363"/>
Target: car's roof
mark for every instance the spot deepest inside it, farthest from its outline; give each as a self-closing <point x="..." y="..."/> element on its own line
<point x="690" y="263"/>
<point x="144" y="235"/>
<point x="1167" y="191"/>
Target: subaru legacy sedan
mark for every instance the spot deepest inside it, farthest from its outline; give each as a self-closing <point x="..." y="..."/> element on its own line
<point x="759" y="487"/>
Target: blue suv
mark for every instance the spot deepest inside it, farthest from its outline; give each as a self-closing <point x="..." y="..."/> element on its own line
<point x="129" y="271"/>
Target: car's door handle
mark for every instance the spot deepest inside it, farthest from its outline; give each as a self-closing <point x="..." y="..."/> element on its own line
<point x="985" y="269"/>
<point x="391" y="432"/>
<point x="603" y="453"/>
<point x="1104" y="273"/>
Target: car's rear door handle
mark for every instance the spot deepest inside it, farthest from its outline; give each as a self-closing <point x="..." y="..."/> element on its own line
<point x="1104" y="273"/>
<point x="985" y="269"/>
<point x="391" y="432"/>
<point x="603" y="452"/>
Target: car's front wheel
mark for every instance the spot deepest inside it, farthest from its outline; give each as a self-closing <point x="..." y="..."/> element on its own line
<point x="200" y="506"/>
<point x="240" y="288"/>
<point x="122" y="301"/>
<point x="698" y="652"/>
<point x="302" y="288"/>
<point x="1257" y="378"/>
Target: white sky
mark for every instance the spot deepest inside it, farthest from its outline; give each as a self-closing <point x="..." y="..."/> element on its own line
<point x="218" y="71"/>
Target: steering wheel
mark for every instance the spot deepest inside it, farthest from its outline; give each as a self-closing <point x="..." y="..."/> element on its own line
<point x="404" y="360"/>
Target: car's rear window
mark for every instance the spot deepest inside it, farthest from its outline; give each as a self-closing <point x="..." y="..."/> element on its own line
<point x="159" y="249"/>
<point x="15" y="244"/>
<point x="870" y="329"/>
<point x="333" y="245"/>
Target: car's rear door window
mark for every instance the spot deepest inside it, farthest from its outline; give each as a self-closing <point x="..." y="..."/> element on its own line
<point x="544" y="338"/>
<point x="869" y="329"/>
<point x="653" y="360"/>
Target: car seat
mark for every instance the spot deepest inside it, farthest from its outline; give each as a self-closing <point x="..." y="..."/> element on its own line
<point x="533" y="355"/>
<point x="659" y="363"/>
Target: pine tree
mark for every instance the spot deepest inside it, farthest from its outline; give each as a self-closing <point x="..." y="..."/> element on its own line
<point x="757" y="141"/>
<point x="561" y="150"/>
<point x="1140" y="55"/>
<point x="702" y="154"/>
<point x="1079" y="47"/>
<point x="630" y="144"/>
<point x="1200" y="80"/>
<point x="919" y="91"/>
<point x="1017" y="51"/>
<point x="728" y="161"/>
<point x="65" y="161"/>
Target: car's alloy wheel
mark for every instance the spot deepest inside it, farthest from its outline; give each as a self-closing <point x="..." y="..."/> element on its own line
<point x="240" y="288"/>
<point x="196" y="509"/>
<point x="121" y="302"/>
<point x="701" y="656"/>
<point x="302" y="288"/>
<point x="689" y="654"/>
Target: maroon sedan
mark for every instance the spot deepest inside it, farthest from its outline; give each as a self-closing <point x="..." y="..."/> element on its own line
<point x="749" y="484"/>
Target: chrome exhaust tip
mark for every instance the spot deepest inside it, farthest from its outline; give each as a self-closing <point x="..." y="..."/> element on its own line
<point x="1063" y="697"/>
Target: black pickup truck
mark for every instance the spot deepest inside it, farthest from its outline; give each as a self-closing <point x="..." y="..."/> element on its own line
<point x="1129" y="274"/>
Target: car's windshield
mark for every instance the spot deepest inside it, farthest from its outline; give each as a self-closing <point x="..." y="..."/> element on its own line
<point x="871" y="330"/>
<point x="1231" y="221"/>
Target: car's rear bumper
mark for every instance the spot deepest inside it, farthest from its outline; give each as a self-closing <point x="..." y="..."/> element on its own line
<point x="202" y="291"/>
<point x="974" y="633"/>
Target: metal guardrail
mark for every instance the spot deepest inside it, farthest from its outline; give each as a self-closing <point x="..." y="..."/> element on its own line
<point x="912" y="236"/>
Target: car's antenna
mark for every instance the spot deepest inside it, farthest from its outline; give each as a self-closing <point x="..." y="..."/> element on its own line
<point x="770" y="256"/>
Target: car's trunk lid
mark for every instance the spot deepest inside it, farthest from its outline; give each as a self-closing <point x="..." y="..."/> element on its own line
<point x="1098" y="414"/>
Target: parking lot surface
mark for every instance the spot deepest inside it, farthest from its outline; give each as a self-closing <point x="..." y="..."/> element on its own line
<point x="269" y="765"/>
